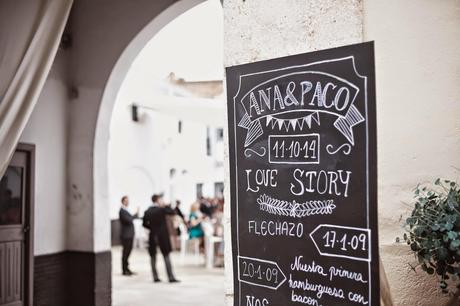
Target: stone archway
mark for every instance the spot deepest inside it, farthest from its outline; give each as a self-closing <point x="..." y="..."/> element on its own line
<point x="100" y="152"/>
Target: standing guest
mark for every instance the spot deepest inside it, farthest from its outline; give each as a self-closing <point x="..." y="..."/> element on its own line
<point x="155" y="221"/>
<point x="180" y="226"/>
<point x="205" y="207"/>
<point x="180" y="214"/>
<point x="178" y="211"/>
<point x="196" y="230"/>
<point x="127" y="233"/>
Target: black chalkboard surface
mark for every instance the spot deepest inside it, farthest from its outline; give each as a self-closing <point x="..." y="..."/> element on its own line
<point x="302" y="132"/>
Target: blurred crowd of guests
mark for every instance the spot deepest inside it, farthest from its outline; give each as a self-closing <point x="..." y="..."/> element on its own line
<point x="168" y="228"/>
<point x="205" y="218"/>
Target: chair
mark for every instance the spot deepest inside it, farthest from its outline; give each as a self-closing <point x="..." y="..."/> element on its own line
<point x="210" y="241"/>
<point x="184" y="241"/>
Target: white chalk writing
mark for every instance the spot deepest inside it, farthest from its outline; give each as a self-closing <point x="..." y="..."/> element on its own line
<point x="275" y="228"/>
<point x="331" y="182"/>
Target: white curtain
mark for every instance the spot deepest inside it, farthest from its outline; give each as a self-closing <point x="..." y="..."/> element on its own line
<point x="30" y="32"/>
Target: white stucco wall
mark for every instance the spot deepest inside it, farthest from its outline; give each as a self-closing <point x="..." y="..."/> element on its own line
<point x="418" y="109"/>
<point x="418" y="98"/>
<point x="47" y="130"/>
<point x="417" y="73"/>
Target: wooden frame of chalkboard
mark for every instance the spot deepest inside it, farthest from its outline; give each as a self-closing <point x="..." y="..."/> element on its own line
<point x="303" y="179"/>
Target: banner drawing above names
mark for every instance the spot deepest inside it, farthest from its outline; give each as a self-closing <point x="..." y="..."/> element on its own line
<point x="315" y="92"/>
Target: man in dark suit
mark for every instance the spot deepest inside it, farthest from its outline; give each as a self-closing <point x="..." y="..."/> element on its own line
<point x="155" y="221"/>
<point x="127" y="234"/>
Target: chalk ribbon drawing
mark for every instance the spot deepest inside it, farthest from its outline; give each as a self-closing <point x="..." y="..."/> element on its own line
<point x="297" y="92"/>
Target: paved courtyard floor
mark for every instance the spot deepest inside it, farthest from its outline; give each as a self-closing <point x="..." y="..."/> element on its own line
<point x="198" y="287"/>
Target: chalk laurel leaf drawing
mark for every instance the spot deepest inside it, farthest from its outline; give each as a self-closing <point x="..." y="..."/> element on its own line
<point x="294" y="209"/>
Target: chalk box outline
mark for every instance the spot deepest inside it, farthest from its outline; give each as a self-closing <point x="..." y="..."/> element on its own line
<point x="295" y="162"/>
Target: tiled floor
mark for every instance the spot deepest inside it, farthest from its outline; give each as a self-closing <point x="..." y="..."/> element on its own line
<point x="198" y="287"/>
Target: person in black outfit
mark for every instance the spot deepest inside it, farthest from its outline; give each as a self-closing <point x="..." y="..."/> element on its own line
<point x="178" y="211"/>
<point x="205" y="207"/>
<point x="127" y="234"/>
<point x="155" y="221"/>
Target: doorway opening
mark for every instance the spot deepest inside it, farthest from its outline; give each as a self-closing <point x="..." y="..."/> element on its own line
<point x="166" y="137"/>
<point x="16" y="228"/>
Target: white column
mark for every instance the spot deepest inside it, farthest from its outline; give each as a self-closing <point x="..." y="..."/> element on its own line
<point x="262" y="29"/>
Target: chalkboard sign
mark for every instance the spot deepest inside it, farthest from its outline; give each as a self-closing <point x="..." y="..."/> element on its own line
<point x="302" y="132"/>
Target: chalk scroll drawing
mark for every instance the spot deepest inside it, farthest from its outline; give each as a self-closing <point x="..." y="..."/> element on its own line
<point x="312" y="93"/>
<point x="346" y="149"/>
<point x="294" y="209"/>
<point x="248" y="152"/>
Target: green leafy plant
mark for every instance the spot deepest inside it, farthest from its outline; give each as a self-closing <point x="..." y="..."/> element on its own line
<point x="433" y="230"/>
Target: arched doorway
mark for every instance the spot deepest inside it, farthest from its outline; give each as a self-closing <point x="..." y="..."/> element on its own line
<point x="102" y="200"/>
<point x="100" y="153"/>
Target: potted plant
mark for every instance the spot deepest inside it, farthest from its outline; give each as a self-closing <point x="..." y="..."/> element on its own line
<point x="433" y="232"/>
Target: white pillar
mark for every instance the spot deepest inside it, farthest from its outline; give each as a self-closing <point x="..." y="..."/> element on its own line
<point x="257" y="30"/>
